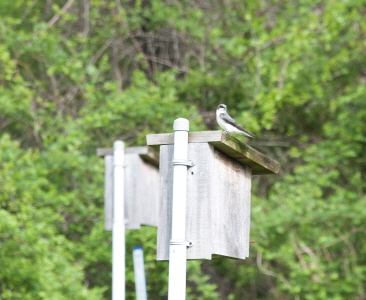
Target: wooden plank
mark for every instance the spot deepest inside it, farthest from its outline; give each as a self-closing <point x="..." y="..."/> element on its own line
<point x="198" y="226"/>
<point x="151" y="156"/>
<point x="200" y="195"/>
<point x="230" y="205"/>
<point x="165" y="202"/>
<point x="104" y="151"/>
<point x="108" y="192"/>
<point x="141" y="192"/>
<point x="193" y="137"/>
<point x="149" y="194"/>
<point x="218" y="204"/>
<point x="141" y="187"/>
<point x="160" y="139"/>
<point x="132" y="201"/>
<point x="221" y="140"/>
<point x="246" y="155"/>
<point x="147" y="153"/>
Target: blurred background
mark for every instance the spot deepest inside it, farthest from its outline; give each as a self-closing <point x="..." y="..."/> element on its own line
<point x="78" y="74"/>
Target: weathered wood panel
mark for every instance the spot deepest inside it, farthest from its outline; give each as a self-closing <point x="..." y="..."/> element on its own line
<point x="218" y="204"/>
<point x="108" y="192"/>
<point x="141" y="192"/>
<point x="231" y="207"/>
<point x="165" y="202"/>
<point x="246" y="155"/>
<point x="200" y="199"/>
<point x="141" y="183"/>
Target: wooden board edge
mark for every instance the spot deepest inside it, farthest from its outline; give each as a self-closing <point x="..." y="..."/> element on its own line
<point x="151" y="156"/>
<point x="146" y="153"/>
<point x="193" y="137"/>
<point x="246" y="155"/>
<point x="104" y="151"/>
<point x="159" y="139"/>
<point x="221" y="140"/>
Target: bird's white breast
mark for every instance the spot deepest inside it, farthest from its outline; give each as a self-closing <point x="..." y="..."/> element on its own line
<point x="226" y="126"/>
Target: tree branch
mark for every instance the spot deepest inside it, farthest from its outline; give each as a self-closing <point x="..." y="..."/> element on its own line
<point x="64" y="9"/>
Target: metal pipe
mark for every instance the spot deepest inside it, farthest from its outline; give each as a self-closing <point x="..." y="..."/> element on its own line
<point x="178" y="243"/>
<point x="118" y="231"/>
<point x="139" y="270"/>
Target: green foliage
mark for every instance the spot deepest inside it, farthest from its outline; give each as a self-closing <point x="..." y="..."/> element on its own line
<point x="36" y="259"/>
<point x="74" y="78"/>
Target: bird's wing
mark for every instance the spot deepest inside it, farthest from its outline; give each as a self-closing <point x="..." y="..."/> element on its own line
<point x="231" y="121"/>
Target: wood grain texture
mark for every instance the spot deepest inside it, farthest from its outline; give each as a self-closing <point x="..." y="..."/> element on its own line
<point x="165" y="202"/>
<point x="231" y="208"/>
<point x="218" y="204"/>
<point x="141" y="183"/>
<point x="200" y="198"/>
<point x="141" y="192"/>
<point x="241" y="152"/>
<point x="108" y="192"/>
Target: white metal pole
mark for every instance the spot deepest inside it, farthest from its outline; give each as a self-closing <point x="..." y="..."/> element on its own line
<point x="118" y="231"/>
<point x="178" y="243"/>
<point x="139" y="270"/>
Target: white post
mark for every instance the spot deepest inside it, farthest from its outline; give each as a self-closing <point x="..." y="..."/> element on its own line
<point x="178" y="243"/>
<point x="118" y="230"/>
<point x="139" y="270"/>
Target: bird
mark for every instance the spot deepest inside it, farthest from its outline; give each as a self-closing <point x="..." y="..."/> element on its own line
<point x="228" y="124"/>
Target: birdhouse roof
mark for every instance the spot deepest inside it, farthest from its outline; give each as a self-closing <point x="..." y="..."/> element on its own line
<point x="146" y="153"/>
<point x="224" y="142"/>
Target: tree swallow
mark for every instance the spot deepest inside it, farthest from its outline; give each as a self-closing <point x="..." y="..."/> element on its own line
<point x="228" y="124"/>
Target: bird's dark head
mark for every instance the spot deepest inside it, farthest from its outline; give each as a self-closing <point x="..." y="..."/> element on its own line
<point x="221" y="107"/>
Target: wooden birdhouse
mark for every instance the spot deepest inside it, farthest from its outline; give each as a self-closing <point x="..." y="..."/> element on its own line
<point x="141" y="186"/>
<point x="218" y="193"/>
